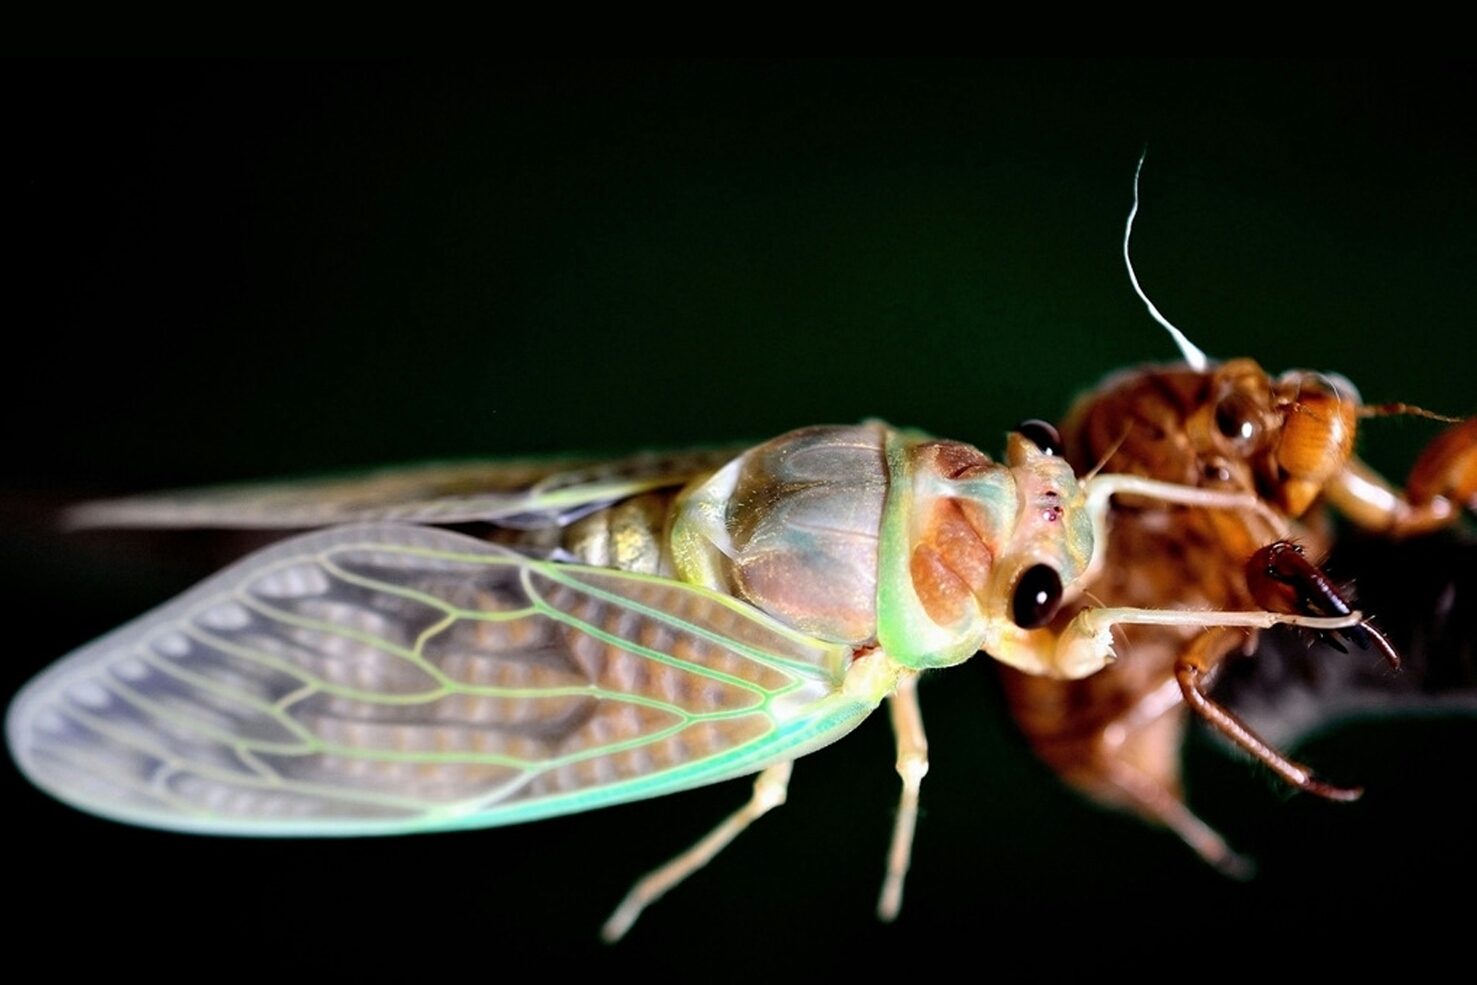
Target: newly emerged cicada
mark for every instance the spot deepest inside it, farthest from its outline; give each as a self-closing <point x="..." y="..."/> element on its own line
<point x="591" y="633"/>
<point x="1228" y="427"/>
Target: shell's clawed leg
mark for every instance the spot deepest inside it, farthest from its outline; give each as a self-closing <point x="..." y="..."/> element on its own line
<point x="1447" y="470"/>
<point x="770" y="788"/>
<point x="1282" y="579"/>
<point x="1162" y="804"/>
<point x="912" y="766"/>
<point x="1135" y="764"/>
<point x="1192" y="672"/>
<point x="1442" y="483"/>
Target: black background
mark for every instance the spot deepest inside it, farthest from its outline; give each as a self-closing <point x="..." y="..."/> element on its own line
<point x="231" y="271"/>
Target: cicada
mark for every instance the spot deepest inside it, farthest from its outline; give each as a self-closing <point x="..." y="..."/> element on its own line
<point x="1232" y="428"/>
<point x="588" y="634"/>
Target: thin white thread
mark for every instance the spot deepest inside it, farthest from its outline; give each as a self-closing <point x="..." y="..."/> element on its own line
<point x="1198" y="360"/>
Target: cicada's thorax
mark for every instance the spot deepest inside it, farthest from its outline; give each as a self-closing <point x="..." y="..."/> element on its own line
<point x="875" y="537"/>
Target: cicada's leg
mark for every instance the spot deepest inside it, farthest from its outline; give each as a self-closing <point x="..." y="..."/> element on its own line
<point x="1102" y="488"/>
<point x="770" y="788"/>
<point x="1442" y="483"/>
<point x="1092" y="627"/>
<point x="1282" y="579"/>
<point x="1089" y="636"/>
<point x="1192" y="672"/>
<point x="912" y="766"/>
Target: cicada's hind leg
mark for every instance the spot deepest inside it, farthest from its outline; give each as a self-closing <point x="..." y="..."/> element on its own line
<point x="912" y="766"/>
<point x="770" y="788"/>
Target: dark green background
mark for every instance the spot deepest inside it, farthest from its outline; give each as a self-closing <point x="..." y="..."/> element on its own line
<point x="299" y="268"/>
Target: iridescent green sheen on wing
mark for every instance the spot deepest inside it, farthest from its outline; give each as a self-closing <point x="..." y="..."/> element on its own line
<point x="386" y="679"/>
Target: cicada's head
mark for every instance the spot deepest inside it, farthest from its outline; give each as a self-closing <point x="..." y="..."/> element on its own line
<point x="977" y="555"/>
<point x="1046" y="558"/>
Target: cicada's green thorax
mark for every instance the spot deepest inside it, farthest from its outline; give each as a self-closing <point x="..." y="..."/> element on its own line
<point x="870" y="536"/>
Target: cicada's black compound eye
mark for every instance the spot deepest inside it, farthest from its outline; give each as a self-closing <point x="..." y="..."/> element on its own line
<point x="1042" y="435"/>
<point x="1037" y="596"/>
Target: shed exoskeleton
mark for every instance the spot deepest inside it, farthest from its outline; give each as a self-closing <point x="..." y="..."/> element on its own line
<point x="1229" y="427"/>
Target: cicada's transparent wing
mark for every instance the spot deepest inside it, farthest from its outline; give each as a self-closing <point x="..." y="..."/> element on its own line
<point x="387" y="679"/>
<point x="512" y="494"/>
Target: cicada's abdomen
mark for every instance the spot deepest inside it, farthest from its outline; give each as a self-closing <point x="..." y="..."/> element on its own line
<point x="628" y="535"/>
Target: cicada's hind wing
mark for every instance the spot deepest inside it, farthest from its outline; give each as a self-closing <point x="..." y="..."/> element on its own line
<point x="386" y="679"/>
<point x="512" y="494"/>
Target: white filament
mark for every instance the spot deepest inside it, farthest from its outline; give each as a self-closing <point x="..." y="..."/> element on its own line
<point x="1196" y="359"/>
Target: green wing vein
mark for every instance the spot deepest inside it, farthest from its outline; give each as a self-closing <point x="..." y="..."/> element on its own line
<point x="385" y="678"/>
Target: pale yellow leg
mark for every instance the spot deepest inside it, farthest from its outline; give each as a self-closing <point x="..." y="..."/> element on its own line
<point x="912" y="766"/>
<point x="1087" y="642"/>
<point x="770" y="787"/>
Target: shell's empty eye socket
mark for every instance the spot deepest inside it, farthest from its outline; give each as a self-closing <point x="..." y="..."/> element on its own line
<point x="1236" y="418"/>
<point x="1038" y="594"/>
<point x="1042" y="435"/>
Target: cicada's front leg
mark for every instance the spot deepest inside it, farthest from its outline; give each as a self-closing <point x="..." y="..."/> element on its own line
<point x="1282" y="579"/>
<point x="1442" y="483"/>
<point x="1193" y="670"/>
<point x="1092" y="628"/>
